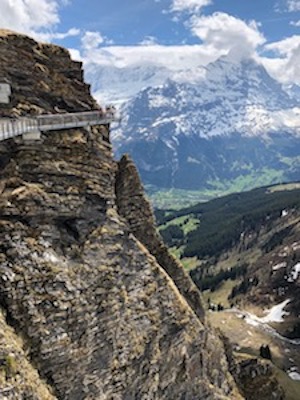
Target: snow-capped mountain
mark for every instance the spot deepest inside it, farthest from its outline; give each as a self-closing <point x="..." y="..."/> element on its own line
<point x="228" y="120"/>
<point x="117" y="85"/>
<point x="229" y="98"/>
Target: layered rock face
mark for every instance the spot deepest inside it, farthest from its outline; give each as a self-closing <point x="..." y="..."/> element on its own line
<point x="100" y="317"/>
<point x="43" y="78"/>
<point x="18" y="378"/>
<point x="136" y="209"/>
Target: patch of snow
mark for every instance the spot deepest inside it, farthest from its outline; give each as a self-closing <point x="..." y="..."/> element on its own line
<point x="276" y="313"/>
<point x="252" y="320"/>
<point x="296" y="246"/>
<point x="149" y="167"/>
<point x="294" y="374"/>
<point x="293" y="276"/>
<point x="279" y="266"/>
<point x="281" y="291"/>
<point x="257" y="120"/>
<point x="257" y="323"/>
<point x="169" y="144"/>
<point x="175" y="140"/>
<point x="193" y="160"/>
<point x="159" y="101"/>
<point x="282" y="254"/>
<point x="166" y="120"/>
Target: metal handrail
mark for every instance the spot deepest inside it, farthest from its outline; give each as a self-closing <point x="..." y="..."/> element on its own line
<point x="10" y="128"/>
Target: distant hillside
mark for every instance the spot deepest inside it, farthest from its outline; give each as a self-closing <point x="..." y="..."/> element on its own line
<point x="242" y="237"/>
<point x="252" y="238"/>
<point x="243" y="252"/>
<point x="219" y="223"/>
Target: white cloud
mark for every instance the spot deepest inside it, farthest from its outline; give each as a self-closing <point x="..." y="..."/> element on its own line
<point x="295" y="23"/>
<point x="293" y="5"/>
<point x="37" y="18"/>
<point x="149" y="41"/>
<point x="75" y="54"/>
<point x="284" y="6"/>
<point x="286" y="46"/>
<point x="28" y="15"/>
<point x="226" y="33"/>
<point x="220" y="34"/>
<point x="91" y="40"/>
<point x="285" y="68"/>
<point x="172" y="57"/>
<point x="189" y="5"/>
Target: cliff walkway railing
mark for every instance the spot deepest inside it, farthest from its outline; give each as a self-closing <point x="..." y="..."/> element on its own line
<point x="10" y="128"/>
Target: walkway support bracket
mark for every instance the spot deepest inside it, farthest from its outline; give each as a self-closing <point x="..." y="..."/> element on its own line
<point x="32" y="136"/>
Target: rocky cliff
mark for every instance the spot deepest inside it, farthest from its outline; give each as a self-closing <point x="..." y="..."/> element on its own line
<point x="90" y="308"/>
<point x="136" y="209"/>
<point x="43" y="77"/>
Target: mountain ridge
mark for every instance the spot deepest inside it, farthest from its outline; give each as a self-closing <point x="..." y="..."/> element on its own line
<point x="237" y="115"/>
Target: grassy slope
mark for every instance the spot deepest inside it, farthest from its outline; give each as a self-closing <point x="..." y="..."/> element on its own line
<point x="215" y="226"/>
<point x="179" y="198"/>
<point x="246" y="337"/>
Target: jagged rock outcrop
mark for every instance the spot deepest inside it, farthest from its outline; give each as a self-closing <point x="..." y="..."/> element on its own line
<point x="137" y="211"/>
<point x="43" y="78"/>
<point x="255" y="377"/>
<point x="95" y="308"/>
<point x="98" y="315"/>
<point x="257" y="380"/>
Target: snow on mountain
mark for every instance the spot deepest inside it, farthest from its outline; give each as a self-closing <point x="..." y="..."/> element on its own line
<point x="117" y="85"/>
<point x="187" y="129"/>
<point x="227" y="98"/>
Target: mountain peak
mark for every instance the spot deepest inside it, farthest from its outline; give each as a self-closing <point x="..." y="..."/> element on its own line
<point x="172" y="124"/>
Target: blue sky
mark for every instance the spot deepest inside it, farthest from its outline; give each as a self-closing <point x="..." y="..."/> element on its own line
<point x="169" y="32"/>
<point x="130" y="22"/>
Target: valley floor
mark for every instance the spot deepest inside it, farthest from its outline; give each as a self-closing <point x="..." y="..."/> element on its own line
<point x="247" y="338"/>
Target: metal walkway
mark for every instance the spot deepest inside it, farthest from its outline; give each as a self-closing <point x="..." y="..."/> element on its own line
<point x="10" y="128"/>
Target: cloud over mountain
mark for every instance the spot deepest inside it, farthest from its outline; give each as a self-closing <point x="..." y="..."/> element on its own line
<point x="37" y="18"/>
